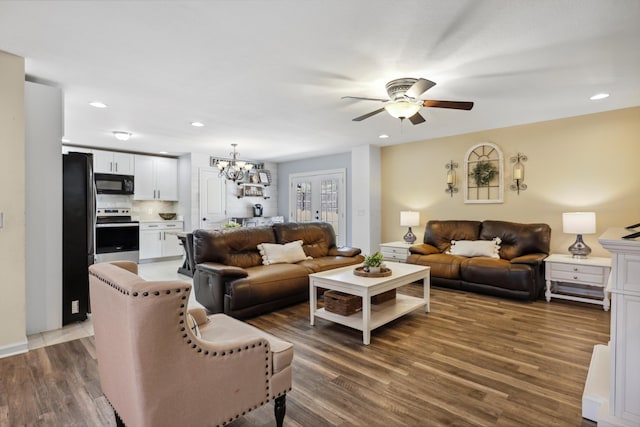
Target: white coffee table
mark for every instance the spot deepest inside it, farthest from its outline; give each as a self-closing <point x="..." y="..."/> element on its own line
<point x="371" y="316"/>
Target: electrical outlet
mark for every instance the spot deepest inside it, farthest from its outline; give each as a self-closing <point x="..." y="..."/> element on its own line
<point x="75" y="306"/>
<point x="150" y="211"/>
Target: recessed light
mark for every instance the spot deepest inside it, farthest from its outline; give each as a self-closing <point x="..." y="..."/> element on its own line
<point x="598" y="96"/>
<point x="65" y="140"/>
<point x="383" y="136"/>
<point x="197" y="124"/>
<point x="122" y="135"/>
<point x="98" y="104"/>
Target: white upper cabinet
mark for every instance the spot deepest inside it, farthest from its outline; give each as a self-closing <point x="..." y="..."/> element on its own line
<point x="156" y="178"/>
<point x="113" y="162"/>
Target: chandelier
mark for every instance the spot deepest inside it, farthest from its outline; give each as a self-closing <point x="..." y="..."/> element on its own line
<point x="232" y="169"/>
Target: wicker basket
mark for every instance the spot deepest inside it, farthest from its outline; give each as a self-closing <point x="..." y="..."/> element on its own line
<point x="341" y="303"/>
<point x="385" y="296"/>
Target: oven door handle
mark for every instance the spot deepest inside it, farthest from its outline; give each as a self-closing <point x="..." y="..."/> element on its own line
<point x="116" y="224"/>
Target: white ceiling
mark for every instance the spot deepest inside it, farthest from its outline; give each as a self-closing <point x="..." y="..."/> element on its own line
<point x="269" y="75"/>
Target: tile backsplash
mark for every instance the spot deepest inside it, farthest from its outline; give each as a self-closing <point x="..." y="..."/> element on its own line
<point x="149" y="209"/>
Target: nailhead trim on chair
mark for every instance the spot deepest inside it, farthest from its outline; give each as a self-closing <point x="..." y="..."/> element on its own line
<point x="198" y="348"/>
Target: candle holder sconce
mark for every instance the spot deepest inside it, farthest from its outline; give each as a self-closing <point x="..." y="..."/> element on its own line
<point x="518" y="173"/>
<point x="451" y="178"/>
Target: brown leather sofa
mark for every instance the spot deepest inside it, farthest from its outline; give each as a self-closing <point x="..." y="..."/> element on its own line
<point x="518" y="273"/>
<point x="230" y="276"/>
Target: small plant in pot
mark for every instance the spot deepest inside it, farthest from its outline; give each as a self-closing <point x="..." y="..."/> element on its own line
<point x="373" y="262"/>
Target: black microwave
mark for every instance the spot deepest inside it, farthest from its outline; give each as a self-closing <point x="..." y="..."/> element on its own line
<point x="107" y="183"/>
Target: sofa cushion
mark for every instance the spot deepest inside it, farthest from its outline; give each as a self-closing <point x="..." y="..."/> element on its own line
<point x="442" y="265"/>
<point x="316" y="265"/>
<point x="441" y="233"/>
<point x="267" y="283"/>
<point x="498" y="273"/>
<point x="237" y="247"/>
<point x="473" y="248"/>
<point x="518" y="239"/>
<point x="317" y="237"/>
<point x="273" y="253"/>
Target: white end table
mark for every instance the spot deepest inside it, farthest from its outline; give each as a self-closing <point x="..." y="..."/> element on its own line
<point x="563" y="272"/>
<point x="395" y="251"/>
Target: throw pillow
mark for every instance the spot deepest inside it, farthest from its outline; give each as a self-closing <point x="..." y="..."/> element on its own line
<point x="279" y="254"/>
<point x="474" y="248"/>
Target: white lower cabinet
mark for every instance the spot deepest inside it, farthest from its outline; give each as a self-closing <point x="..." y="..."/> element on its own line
<point x="158" y="239"/>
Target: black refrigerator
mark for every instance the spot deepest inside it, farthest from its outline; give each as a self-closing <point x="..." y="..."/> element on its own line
<point x="78" y="225"/>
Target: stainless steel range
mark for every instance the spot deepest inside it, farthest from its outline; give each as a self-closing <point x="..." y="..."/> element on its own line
<point x="117" y="236"/>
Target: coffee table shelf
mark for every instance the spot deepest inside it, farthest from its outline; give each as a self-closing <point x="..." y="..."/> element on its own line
<point x="371" y="316"/>
<point x="380" y="313"/>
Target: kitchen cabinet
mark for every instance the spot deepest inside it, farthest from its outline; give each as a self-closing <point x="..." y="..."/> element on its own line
<point x="113" y="162"/>
<point x="156" y="178"/>
<point x="159" y="239"/>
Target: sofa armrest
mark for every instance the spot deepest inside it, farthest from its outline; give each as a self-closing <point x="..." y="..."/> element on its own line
<point x="531" y="259"/>
<point x="222" y="269"/>
<point x="344" y="251"/>
<point x="423" y="249"/>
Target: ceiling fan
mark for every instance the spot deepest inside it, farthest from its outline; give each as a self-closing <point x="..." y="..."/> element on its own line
<point x="403" y="102"/>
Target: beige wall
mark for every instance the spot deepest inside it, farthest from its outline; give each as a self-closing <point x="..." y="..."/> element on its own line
<point x="12" y="205"/>
<point x="584" y="163"/>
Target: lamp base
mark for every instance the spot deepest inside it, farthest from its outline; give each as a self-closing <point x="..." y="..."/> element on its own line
<point x="409" y="237"/>
<point x="579" y="249"/>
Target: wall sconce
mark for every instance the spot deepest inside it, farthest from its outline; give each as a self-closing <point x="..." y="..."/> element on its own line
<point x="579" y="223"/>
<point x="518" y="173"/>
<point x="409" y="219"/>
<point x="451" y="177"/>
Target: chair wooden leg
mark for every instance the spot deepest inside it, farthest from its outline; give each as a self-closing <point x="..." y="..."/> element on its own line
<point x="119" y="422"/>
<point x="280" y="408"/>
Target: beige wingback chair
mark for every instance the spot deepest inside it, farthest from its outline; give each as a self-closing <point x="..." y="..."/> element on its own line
<point x="156" y="371"/>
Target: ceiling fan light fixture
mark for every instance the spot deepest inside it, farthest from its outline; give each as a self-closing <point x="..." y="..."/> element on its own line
<point x="402" y="109"/>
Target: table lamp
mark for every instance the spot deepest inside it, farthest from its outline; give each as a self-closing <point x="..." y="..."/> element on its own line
<point x="579" y="223"/>
<point x="409" y="219"/>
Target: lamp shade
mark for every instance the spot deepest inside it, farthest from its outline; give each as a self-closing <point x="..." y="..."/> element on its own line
<point x="579" y="222"/>
<point x="409" y="218"/>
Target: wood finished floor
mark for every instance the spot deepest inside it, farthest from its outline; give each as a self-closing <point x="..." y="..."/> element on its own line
<point x="473" y="361"/>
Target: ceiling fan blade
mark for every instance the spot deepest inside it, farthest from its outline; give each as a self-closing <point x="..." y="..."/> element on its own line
<point x="364" y="99"/>
<point x="416" y="119"/>
<point x="366" y="116"/>
<point x="456" y="105"/>
<point x="419" y="87"/>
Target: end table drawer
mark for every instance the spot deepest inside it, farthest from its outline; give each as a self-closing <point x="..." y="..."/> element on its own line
<point x="391" y="256"/>
<point x="587" y="269"/>
<point x="597" y="279"/>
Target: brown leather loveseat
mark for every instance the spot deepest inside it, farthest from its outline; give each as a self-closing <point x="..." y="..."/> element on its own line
<point x="517" y="270"/>
<point x="230" y="276"/>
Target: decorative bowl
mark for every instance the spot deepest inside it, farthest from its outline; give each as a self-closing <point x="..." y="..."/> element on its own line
<point x="167" y="215"/>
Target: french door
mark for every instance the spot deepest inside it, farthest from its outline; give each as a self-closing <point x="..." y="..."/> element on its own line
<point x="319" y="196"/>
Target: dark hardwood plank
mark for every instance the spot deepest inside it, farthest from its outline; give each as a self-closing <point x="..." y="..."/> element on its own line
<point x="475" y="360"/>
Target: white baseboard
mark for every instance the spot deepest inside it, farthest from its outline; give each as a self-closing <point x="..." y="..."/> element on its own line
<point x="13" y="349"/>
